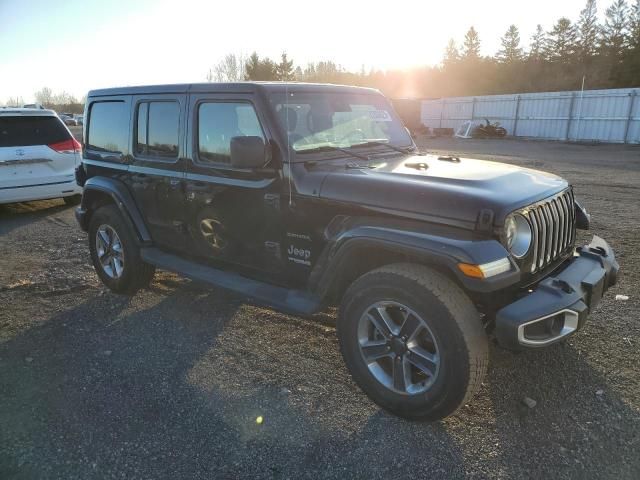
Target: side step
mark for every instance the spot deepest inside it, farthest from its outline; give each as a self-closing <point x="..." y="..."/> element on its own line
<point x="291" y="301"/>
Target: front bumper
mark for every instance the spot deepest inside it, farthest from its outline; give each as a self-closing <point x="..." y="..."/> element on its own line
<point x="559" y="304"/>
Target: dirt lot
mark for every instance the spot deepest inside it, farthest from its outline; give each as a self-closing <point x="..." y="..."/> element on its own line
<point x="168" y="384"/>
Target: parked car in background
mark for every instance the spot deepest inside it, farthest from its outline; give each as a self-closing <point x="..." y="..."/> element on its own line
<point x="79" y="119"/>
<point x="68" y="119"/>
<point x="33" y="105"/>
<point x="38" y="157"/>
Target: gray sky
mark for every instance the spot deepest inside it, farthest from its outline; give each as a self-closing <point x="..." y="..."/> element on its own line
<point x="77" y="45"/>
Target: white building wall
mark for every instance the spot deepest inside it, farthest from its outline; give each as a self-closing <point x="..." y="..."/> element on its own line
<point x="593" y="115"/>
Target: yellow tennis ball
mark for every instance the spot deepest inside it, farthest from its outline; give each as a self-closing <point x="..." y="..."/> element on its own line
<point x="259" y="420"/>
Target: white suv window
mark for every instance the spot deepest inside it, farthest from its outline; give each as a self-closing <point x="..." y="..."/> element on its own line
<point x="23" y="131"/>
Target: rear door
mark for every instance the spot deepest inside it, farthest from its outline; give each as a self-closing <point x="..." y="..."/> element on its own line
<point x="156" y="171"/>
<point x="36" y="150"/>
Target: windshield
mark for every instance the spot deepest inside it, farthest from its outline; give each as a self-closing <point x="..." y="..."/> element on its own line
<point x="314" y="120"/>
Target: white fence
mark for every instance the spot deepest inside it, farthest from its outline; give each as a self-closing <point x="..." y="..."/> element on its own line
<point x="593" y="115"/>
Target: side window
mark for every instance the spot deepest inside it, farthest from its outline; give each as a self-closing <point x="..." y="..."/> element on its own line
<point x="157" y="129"/>
<point x="108" y="127"/>
<point x="218" y="122"/>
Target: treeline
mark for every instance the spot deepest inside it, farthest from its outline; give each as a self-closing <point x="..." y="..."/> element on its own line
<point x="606" y="53"/>
<point x="60" y="102"/>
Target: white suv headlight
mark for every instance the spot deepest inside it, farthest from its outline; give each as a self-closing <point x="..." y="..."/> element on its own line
<point x="517" y="233"/>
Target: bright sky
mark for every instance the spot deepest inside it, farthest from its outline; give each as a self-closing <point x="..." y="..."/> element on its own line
<point x="78" y="45"/>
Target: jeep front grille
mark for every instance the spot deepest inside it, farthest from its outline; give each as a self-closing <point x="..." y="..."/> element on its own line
<point x="553" y="224"/>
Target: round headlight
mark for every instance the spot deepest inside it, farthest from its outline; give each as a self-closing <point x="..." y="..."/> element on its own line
<point x="517" y="232"/>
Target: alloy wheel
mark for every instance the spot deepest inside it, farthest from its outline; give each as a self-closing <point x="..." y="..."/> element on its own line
<point x="398" y="347"/>
<point x="110" y="252"/>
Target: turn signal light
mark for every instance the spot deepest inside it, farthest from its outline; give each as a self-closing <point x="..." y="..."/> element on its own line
<point x="485" y="270"/>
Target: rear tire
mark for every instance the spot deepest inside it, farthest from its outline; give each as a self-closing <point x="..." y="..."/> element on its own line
<point x="115" y="253"/>
<point x="424" y="375"/>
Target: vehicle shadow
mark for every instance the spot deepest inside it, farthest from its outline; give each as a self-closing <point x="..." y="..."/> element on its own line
<point x="170" y="384"/>
<point x="16" y="215"/>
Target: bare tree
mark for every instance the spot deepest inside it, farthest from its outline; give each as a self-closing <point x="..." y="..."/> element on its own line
<point x="230" y="69"/>
<point x="15" y="101"/>
<point x="44" y="96"/>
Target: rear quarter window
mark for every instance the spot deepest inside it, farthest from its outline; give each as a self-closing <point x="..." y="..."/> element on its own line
<point x="23" y="131"/>
<point x="108" y="127"/>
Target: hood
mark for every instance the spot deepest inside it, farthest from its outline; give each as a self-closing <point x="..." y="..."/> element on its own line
<point x="430" y="186"/>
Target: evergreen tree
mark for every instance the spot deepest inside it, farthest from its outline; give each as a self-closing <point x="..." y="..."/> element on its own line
<point x="634" y="27"/>
<point x="587" y="31"/>
<point x="284" y="70"/>
<point x="537" y="44"/>
<point x="561" y="42"/>
<point x="257" y="69"/>
<point x="471" y="45"/>
<point x="511" y="51"/>
<point x="629" y="70"/>
<point x="451" y="54"/>
<point x="614" y="32"/>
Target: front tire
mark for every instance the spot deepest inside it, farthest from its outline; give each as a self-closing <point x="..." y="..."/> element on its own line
<point x="115" y="253"/>
<point x="413" y="341"/>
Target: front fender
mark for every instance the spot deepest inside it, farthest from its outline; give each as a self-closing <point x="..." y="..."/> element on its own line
<point x="435" y="245"/>
<point x="121" y="197"/>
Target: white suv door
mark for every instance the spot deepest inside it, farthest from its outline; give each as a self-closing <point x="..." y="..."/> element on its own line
<point x="38" y="156"/>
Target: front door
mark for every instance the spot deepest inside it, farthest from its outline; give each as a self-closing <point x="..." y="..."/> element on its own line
<point x="233" y="214"/>
<point x="156" y="172"/>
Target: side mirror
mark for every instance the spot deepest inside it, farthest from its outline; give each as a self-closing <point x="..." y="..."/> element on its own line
<point x="249" y="152"/>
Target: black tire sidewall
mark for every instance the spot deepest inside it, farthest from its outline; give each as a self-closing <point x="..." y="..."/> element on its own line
<point x="110" y="215"/>
<point x="450" y="386"/>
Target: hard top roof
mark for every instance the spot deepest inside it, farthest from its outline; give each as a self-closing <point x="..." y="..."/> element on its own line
<point x="26" y="112"/>
<point x="237" y="87"/>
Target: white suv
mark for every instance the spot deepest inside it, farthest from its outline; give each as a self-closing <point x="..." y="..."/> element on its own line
<point x="38" y="157"/>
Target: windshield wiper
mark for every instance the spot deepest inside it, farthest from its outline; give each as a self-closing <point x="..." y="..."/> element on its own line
<point x="333" y="148"/>
<point x="372" y="143"/>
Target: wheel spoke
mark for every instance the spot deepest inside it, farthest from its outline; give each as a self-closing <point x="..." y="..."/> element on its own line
<point x="117" y="263"/>
<point x="379" y="324"/>
<point x="112" y="264"/>
<point x="375" y="350"/>
<point x="399" y="374"/>
<point x="422" y="360"/>
<point x="103" y="237"/>
<point x="386" y="320"/>
<point x="410" y="326"/>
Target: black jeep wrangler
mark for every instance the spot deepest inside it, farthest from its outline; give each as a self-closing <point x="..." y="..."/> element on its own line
<point x="305" y="196"/>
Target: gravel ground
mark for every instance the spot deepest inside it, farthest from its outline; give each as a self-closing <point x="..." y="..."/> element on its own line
<point x="169" y="383"/>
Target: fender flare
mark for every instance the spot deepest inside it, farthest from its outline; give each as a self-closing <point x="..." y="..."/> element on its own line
<point x="122" y="198"/>
<point x="436" y="245"/>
